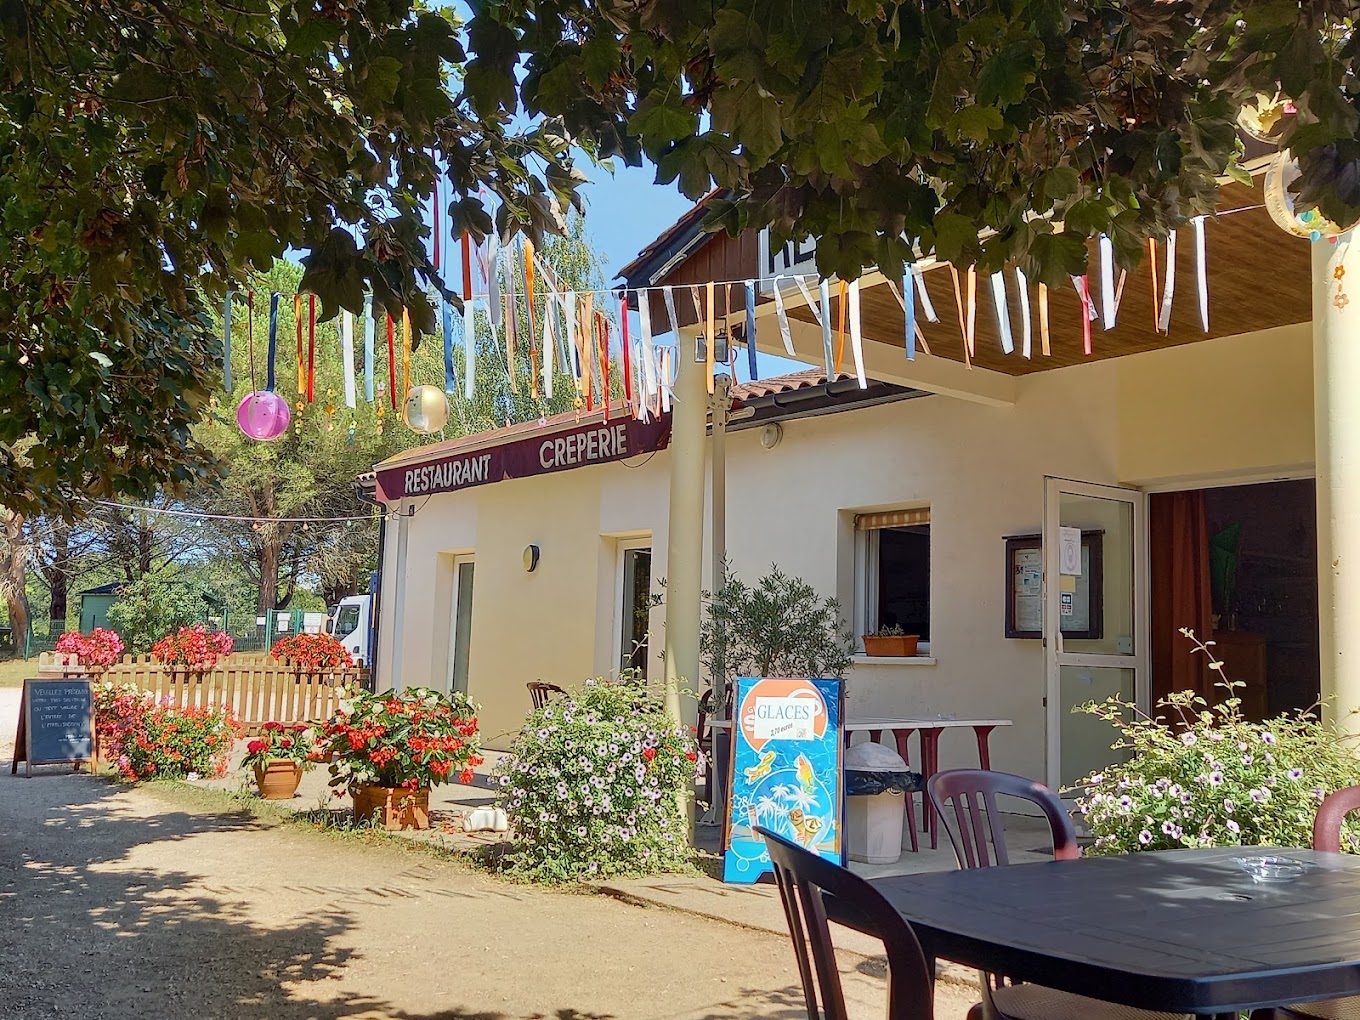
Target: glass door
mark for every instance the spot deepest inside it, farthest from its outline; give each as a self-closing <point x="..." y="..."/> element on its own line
<point x="1095" y="618"/>
<point x="460" y="626"/>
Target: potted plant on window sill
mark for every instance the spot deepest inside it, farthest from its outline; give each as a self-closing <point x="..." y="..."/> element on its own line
<point x="891" y="642"/>
<point x="278" y="757"/>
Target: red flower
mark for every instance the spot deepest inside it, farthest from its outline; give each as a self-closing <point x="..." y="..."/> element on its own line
<point x="649" y="753"/>
<point x="465" y="777"/>
<point x="255" y="746"/>
<point x="691" y="756"/>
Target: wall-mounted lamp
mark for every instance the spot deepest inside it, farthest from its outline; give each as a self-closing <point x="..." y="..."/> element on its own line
<point x="531" y="558"/>
<point x="721" y="349"/>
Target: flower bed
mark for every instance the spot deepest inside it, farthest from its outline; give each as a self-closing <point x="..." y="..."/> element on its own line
<point x="118" y="707"/>
<point x="593" y="786"/>
<point x="312" y="652"/>
<point x="1211" y="778"/>
<point x="192" y="647"/>
<point x="414" y="739"/>
<point x="167" y="742"/>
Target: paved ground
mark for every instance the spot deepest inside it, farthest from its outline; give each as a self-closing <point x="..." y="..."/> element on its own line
<point x="132" y="901"/>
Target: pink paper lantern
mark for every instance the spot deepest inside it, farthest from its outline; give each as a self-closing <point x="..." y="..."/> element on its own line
<point x="263" y="415"/>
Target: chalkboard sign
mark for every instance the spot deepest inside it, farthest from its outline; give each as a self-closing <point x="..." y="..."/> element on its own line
<point x="56" y="724"/>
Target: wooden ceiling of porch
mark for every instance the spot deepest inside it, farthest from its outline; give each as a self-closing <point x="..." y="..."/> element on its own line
<point x="1259" y="277"/>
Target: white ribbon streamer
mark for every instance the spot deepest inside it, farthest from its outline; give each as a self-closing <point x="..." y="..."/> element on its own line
<point x="569" y="313"/>
<point x="1107" y="302"/>
<point x="1201" y="272"/>
<point x="856" y="339"/>
<point x="1003" y="314"/>
<point x="347" y="353"/>
<point x="1026" y="327"/>
<point x="824" y="290"/>
<point x="1168" y="289"/>
<point x="811" y="301"/>
<point x="926" y="306"/>
<point x="648" y="347"/>
<point x="548" y="346"/>
<point x="783" y="318"/>
<point x="469" y="349"/>
<point x="1084" y="296"/>
<point x="669" y="295"/>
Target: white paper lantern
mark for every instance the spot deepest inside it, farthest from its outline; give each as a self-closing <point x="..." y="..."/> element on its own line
<point x="1265" y="117"/>
<point x="426" y="409"/>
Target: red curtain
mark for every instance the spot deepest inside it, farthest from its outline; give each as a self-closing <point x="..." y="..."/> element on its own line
<point x="1179" y="535"/>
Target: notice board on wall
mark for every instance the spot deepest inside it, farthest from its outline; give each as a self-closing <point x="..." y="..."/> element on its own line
<point x="56" y="723"/>
<point x="786" y="772"/>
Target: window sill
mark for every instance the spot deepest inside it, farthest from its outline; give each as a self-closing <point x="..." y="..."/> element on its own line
<point x="892" y="660"/>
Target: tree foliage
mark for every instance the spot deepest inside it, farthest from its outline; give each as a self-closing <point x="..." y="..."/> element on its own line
<point x="876" y="125"/>
<point x="152" y="154"/>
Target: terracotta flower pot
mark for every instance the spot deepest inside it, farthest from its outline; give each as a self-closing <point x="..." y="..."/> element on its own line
<point x="278" y="778"/>
<point x="891" y="645"/>
<point x="392" y="807"/>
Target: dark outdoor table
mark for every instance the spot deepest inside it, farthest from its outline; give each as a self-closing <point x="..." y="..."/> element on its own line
<point x="1184" y="931"/>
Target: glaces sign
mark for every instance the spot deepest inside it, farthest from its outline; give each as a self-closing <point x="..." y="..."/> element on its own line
<point x="541" y="454"/>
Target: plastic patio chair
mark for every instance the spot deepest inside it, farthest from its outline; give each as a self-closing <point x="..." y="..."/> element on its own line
<point x="541" y="693"/>
<point x="965" y="802"/>
<point x="1326" y="836"/>
<point x="803" y="877"/>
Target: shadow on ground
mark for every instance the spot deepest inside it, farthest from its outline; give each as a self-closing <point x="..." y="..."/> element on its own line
<point x="85" y="931"/>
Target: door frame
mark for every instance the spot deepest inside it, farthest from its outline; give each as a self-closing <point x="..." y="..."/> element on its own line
<point x="1055" y="657"/>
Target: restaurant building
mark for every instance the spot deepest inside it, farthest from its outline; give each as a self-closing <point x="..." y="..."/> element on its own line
<point x="1185" y="477"/>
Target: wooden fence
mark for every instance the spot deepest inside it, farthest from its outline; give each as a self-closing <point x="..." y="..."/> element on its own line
<point x="258" y="688"/>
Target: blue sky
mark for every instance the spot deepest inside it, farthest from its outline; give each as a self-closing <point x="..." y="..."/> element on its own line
<point x="626" y="211"/>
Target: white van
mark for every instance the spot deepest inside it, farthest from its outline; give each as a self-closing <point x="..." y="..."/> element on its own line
<point x="351" y="624"/>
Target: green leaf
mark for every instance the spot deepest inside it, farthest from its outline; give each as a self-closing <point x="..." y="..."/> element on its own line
<point x="381" y="78"/>
<point x="975" y="122"/>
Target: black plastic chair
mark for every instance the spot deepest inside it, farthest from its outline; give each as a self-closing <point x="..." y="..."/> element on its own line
<point x="1331" y="814"/>
<point x="965" y="802"/>
<point x="802" y="878"/>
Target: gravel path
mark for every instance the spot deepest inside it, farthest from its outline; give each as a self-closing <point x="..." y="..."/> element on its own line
<point x="117" y="901"/>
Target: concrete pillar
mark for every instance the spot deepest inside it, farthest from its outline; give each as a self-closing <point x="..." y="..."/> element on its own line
<point x="399" y="596"/>
<point x="1336" y="413"/>
<point x="685" y="530"/>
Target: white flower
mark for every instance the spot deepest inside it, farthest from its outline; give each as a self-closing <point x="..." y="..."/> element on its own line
<point x="1233" y="827"/>
<point x="1145" y="837"/>
<point x="1188" y="739"/>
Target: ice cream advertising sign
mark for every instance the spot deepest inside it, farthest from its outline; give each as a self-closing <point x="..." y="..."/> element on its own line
<point x="786" y="772"/>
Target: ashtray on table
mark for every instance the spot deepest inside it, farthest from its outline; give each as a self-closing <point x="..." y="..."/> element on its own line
<point x="1272" y="868"/>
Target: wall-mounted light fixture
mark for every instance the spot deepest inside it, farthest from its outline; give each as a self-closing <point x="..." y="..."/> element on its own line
<point x="531" y="554"/>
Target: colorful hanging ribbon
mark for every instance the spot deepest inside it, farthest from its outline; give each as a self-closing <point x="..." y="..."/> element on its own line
<point x="368" y="348"/>
<point x="405" y="352"/>
<point x="301" y="352"/>
<point x="840" y="327"/>
<point x="751" y="367"/>
<point x="347" y="355"/>
<point x="1201" y="271"/>
<point x="226" y="340"/>
<point x="908" y="299"/>
<point x="250" y="335"/>
<point x="1156" y="299"/>
<point x="1026" y="330"/>
<point x="712" y="342"/>
<point x="273" y="340"/>
<point x="648" y="346"/>
<point x="392" y="359"/>
<point x="588" y="349"/>
<point x="1043" y="321"/>
<point x="627" y="355"/>
<point x="446" y="322"/>
<point x="548" y="343"/>
<point x="529" y="285"/>
<point x="963" y="316"/>
<point x="569" y="317"/>
<point x="1084" y="292"/>
<point x="782" y="316"/>
<point x="311" y="348"/>
<point x="602" y="333"/>
<point x="467" y="268"/>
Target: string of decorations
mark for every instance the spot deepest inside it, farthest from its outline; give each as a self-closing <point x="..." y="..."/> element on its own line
<point x="583" y="331"/>
<point x="239" y="518"/>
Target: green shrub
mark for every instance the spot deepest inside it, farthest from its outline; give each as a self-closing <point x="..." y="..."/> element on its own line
<point x="1209" y="777"/>
<point x="593" y="784"/>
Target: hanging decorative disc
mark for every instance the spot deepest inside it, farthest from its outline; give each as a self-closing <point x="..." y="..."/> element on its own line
<point x="426" y="409"/>
<point x="263" y="415"/>
<point x="1264" y="117"/>
<point x="1309" y="223"/>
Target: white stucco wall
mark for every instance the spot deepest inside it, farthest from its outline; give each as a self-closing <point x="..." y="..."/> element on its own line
<point x="980" y="469"/>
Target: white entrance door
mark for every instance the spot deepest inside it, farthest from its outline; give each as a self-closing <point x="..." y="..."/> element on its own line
<point x="1095" y="617"/>
<point x="460" y="625"/>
